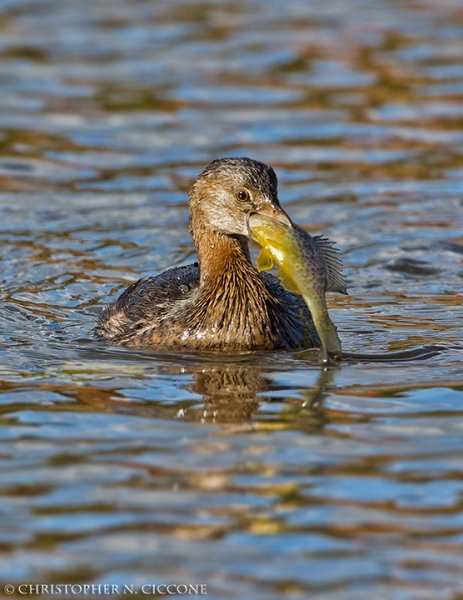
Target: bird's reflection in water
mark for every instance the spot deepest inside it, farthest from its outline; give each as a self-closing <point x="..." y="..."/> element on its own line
<point x="232" y="390"/>
<point x="235" y="393"/>
<point x="229" y="393"/>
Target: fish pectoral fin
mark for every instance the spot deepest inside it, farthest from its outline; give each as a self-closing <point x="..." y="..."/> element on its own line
<point x="288" y="283"/>
<point x="264" y="261"/>
<point x="334" y="277"/>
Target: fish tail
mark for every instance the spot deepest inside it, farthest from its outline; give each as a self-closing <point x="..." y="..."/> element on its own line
<point x="331" y="344"/>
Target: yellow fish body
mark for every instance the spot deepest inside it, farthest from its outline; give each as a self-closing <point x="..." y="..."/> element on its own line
<point x="309" y="266"/>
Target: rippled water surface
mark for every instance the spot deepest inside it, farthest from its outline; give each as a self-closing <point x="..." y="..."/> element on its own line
<point x="262" y="476"/>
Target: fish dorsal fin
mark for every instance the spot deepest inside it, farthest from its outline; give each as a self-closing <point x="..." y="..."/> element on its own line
<point x="288" y="283"/>
<point x="335" y="281"/>
<point x="264" y="261"/>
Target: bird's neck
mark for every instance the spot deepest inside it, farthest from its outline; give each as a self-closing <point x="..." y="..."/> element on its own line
<point x="235" y="308"/>
<point x="234" y="305"/>
<point x="221" y="255"/>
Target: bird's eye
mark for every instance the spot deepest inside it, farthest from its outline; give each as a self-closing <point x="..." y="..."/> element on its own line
<point x="243" y="195"/>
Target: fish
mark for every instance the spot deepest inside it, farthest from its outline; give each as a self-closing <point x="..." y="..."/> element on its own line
<point x="308" y="266"/>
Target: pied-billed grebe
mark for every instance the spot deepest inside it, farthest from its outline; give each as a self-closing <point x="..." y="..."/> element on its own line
<point x="222" y="302"/>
